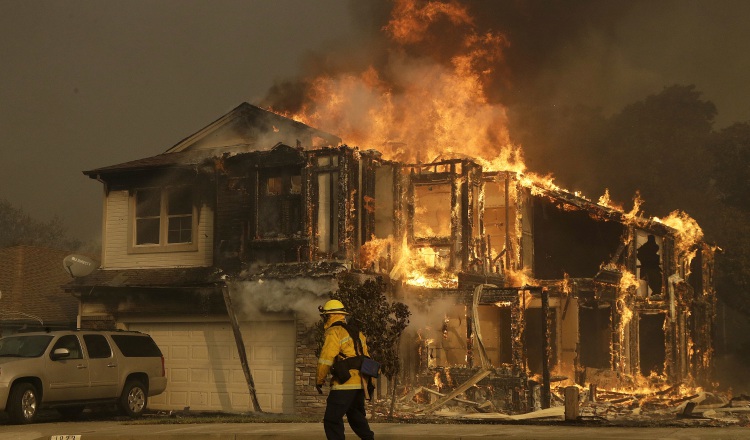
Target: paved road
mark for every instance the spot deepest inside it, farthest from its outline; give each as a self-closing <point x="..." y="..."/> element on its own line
<point x="109" y="430"/>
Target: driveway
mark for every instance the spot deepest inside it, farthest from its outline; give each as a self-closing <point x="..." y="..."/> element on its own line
<point x="110" y="430"/>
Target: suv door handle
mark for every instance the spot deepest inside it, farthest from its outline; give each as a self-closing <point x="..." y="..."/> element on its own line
<point x="110" y="365"/>
<point x="80" y="366"/>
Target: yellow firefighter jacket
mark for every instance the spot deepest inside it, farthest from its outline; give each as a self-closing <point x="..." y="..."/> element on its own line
<point x="337" y="340"/>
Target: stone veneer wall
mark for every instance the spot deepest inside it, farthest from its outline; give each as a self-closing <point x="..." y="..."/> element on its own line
<point x="306" y="397"/>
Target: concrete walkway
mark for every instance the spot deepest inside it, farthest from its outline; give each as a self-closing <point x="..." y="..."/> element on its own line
<point x="383" y="431"/>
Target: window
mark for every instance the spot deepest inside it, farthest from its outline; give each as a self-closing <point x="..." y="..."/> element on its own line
<point x="71" y="343"/>
<point x="274" y="186"/>
<point x="164" y="218"/>
<point x="147" y="216"/>
<point x="280" y="203"/>
<point x="180" y="216"/>
<point x="24" y="346"/>
<point x="136" y="346"/>
<point x="97" y="346"/>
<point x="432" y="210"/>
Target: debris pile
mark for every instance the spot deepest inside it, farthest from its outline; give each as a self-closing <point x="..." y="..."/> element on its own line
<point x="672" y="406"/>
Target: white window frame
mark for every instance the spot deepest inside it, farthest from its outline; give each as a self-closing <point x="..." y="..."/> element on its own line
<point x="163" y="245"/>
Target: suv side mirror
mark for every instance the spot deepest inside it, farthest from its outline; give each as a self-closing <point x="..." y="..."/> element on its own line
<point x="60" y="353"/>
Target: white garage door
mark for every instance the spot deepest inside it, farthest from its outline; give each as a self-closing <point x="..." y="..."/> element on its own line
<point x="204" y="370"/>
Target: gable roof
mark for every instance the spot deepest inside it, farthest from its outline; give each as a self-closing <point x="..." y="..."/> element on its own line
<point x="247" y="124"/>
<point x="245" y="128"/>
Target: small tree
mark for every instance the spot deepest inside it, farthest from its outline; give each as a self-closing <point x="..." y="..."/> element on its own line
<point x="381" y="321"/>
<point x="17" y="228"/>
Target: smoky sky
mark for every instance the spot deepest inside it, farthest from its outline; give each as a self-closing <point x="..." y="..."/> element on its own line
<point x="87" y="84"/>
<point x="599" y="53"/>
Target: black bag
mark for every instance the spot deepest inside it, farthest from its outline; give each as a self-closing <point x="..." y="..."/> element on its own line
<point x="340" y="371"/>
<point x="367" y="366"/>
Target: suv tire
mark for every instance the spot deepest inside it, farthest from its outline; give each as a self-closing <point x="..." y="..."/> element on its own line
<point x="134" y="398"/>
<point x="22" y="403"/>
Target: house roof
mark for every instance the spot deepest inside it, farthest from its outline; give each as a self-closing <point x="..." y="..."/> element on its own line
<point x="31" y="279"/>
<point x="184" y="158"/>
<point x="245" y="128"/>
<point x="599" y="211"/>
<point x="256" y="119"/>
<point x="148" y="278"/>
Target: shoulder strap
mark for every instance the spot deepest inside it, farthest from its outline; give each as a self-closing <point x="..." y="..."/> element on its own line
<point x="354" y="334"/>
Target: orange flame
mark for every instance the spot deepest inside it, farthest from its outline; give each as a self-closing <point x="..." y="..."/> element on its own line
<point x="689" y="233"/>
<point x="418" y="109"/>
<point x="419" y="267"/>
<point x="410" y="21"/>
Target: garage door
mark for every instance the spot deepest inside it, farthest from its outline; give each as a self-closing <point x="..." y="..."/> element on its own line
<point x="204" y="370"/>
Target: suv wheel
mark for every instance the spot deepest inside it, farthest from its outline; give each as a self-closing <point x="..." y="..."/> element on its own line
<point x="134" y="398"/>
<point x="22" y="403"/>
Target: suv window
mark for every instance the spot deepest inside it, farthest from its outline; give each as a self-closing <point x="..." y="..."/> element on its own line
<point x="71" y="343"/>
<point x="136" y="346"/>
<point x="24" y="346"/>
<point x="97" y="346"/>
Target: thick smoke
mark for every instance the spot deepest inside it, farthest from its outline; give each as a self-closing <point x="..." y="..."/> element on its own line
<point x="430" y="315"/>
<point x="300" y="296"/>
<point x="534" y="61"/>
<point x="540" y="44"/>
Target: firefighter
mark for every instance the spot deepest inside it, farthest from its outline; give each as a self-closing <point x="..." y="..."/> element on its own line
<point x="347" y="396"/>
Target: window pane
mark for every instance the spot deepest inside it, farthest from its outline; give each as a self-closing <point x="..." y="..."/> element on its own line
<point x="136" y="346"/>
<point x="180" y="229"/>
<point x="97" y="346"/>
<point x="180" y="201"/>
<point x="432" y="210"/>
<point x="24" y="346"/>
<point x="274" y="186"/>
<point x="147" y="203"/>
<point x="147" y="231"/>
<point x="296" y="185"/>
<point x="71" y="343"/>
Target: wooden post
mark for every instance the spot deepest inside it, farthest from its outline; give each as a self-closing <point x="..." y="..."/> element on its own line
<point x="241" y="348"/>
<point x="571" y="403"/>
<point x="592" y="392"/>
<point x="536" y="397"/>
<point x="546" y="395"/>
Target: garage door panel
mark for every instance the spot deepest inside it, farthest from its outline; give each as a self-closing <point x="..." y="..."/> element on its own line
<point x="262" y="377"/>
<point x="283" y="376"/>
<point x="198" y="352"/>
<point x="223" y="375"/>
<point x="204" y="371"/>
<point x="198" y="375"/>
<point x="177" y="352"/>
<point x="178" y="375"/>
<point x="178" y="399"/>
<point x="281" y="354"/>
<point x="265" y="399"/>
<point x="262" y="354"/>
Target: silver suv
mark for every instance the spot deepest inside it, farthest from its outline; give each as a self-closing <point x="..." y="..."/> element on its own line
<point x="68" y="370"/>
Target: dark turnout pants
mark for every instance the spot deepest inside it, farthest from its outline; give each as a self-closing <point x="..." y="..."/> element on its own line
<point x="352" y="404"/>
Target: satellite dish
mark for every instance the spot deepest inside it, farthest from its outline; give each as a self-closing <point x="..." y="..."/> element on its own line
<point x="79" y="265"/>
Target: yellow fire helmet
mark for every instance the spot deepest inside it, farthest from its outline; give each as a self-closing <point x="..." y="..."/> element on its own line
<point x="333" y="306"/>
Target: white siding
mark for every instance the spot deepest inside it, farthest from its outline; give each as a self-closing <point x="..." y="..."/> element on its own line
<point x="115" y="252"/>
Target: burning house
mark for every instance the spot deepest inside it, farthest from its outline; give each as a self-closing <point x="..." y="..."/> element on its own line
<point x="513" y="283"/>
